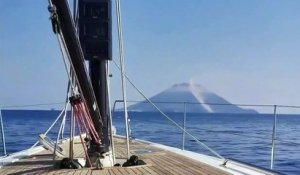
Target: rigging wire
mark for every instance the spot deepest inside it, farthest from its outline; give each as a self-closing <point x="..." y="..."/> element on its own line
<point x="60" y="131"/>
<point x="65" y="53"/>
<point x="62" y="46"/>
<point x="216" y="104"/>
<point x="122" y="69"/>
<point x="55" y="121"/>
<point x="166" y="116"/>
<point x="62" y="126"/>
<point x="64" y="111"/>
<point x="32" y="105"/>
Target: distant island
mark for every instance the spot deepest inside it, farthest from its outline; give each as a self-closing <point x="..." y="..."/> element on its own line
<point x="198" y="99"/>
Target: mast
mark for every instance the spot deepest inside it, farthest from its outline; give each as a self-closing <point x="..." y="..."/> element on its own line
<point x="95" y="39"/>
<point x="94" y="45"/>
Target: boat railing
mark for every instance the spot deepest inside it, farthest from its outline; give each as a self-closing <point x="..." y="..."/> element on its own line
<point x="60" y="134"/>
<point x="274" y="112"/>
<point x="182" y="127"/>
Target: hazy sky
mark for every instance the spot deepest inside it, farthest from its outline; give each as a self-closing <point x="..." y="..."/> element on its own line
<point x="245" y="51"/>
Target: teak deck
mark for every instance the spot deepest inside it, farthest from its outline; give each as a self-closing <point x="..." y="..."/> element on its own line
<point x="158" y="162"/>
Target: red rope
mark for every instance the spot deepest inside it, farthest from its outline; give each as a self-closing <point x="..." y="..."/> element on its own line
<point x="82" y="142"/>
<point x="89" y="122"/>
<point x="80" y="119"/>
<point x="84" y="122"/>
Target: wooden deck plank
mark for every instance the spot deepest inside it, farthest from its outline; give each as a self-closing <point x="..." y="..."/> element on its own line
<point x="85" y="171"/>
<point x="150" y="171"/>
<point x="191" y="169"/>
<point x="158" y="170"/>
<point x="100" y="172"/>
<point x="123" y="171"/>
<point x="129" y="171"/>
<point x="199" y="167"/>
<point x="202" y="168"/>
<point x="177" y="167"/>
<point x="115" y="171"/>
<point x="5" y="169"/>
<point x="158" y="162"/>
<point x="164" y="167"/>
<point x="77" y="172"/>
<point x="136" y="171"/>
<point x="9" y="170"/>
<point x="147" y="171"/>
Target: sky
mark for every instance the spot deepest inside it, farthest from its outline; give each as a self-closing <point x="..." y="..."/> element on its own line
<point x="245" y="51"/>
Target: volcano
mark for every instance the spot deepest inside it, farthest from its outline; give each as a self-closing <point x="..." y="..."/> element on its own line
<point x="198" y="99"/>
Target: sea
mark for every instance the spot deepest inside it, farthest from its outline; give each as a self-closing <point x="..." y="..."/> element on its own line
<point x="243" y="137"/>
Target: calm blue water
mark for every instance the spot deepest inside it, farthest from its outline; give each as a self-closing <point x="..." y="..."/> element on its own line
<point x="243" y="137"/>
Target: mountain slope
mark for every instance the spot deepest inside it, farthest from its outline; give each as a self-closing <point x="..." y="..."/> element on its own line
<point x="190" y="93"/>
